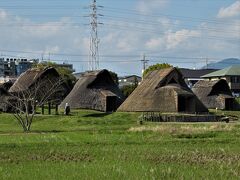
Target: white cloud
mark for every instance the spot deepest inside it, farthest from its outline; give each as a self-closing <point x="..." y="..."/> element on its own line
<point x="171" y="40"/>
<point x="174" y="39"/>
<point x="155" y="43"/>
<point x="3" y="15"/>
<point x="18" y="33"/>
<point x="147" y="6"/>
<point x="231" y="11"/>
<point x="165" y="36"/>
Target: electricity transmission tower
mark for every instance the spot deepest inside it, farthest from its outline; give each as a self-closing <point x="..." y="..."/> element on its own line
<point x="93" y="63"/>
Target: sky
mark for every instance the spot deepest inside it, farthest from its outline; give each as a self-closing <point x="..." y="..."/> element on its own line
<point x="184" y="33"/>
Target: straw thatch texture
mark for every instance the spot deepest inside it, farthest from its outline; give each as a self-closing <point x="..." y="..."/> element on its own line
<point x="4" y="96"/>
<point x="163" y="91"/>
<point x="95" y="90"/>
<point x="214" y="94"/>
<point x="27" y="79"/>
<point x="41" y="81"/>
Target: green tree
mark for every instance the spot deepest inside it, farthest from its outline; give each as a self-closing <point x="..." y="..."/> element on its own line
<point x="128" y="89"/>
<point x="156" y="67"/>
<point x="114" y="76"/>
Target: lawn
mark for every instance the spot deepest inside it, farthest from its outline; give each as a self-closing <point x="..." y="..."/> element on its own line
<point x="93" y="145"/>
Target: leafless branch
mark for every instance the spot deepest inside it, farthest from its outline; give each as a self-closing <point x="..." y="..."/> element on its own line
<point x="24" y="100"/>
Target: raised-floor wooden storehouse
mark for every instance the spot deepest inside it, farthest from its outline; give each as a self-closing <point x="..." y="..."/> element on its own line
<point x="214" y="94"/>
<point x="95" y="90"/>
<point x="43" y="85"/>
<point x="163" y="91"/>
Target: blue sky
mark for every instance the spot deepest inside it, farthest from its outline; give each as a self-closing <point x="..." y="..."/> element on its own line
<point x="182" y="32"/>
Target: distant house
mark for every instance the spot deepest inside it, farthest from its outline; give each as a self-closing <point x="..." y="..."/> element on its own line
<point x="192" y="76"/>
<point x="163" y="91"/>
<point x="230" y="74"/>
<point x="95" y="90"/>
<point x="129" y="80"/>
<point x="13" y="67"/>
<point x="215" y="94"/>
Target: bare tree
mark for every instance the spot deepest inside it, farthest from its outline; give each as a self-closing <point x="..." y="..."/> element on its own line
<point x="24" y="100"/>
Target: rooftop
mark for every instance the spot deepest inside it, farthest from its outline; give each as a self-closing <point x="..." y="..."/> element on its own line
<point x="229" y="71"/>
<point x="195" y="73"/>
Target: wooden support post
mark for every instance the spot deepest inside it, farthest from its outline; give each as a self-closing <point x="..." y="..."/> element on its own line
<point x="43" y="109"/>
<point x="56" y="109"/>
<point x="49" y="108"/>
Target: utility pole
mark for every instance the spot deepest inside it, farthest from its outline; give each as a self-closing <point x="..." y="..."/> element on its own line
<point x="93" y="63"/>
<point x="145" y="63"/>
<point x="42" y="56"/>
<point x="206" y="63"/>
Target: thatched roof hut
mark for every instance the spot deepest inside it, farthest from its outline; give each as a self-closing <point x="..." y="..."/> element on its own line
<point x="95" y="90"/>
<point x="6" y="86"/>
<point x="163" y="91"/>
<point x="29" y="78"/>
<point x="40" y="81"/>
<point x="214" y="94"/>
<point x="4" y="96"/>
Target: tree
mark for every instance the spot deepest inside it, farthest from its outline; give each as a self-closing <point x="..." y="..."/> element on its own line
<point x="23" y="102"/>
<point x="156" y="67"/>
<point x="114" y="77"/>
<point x="128" y="89"/>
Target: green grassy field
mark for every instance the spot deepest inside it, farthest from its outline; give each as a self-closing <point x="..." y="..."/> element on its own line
<point x="91" y="145"/>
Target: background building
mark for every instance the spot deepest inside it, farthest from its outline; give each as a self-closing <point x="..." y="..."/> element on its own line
<point x="129" y="80"/>
<point x="192" y="76"/>
<point x="12" y="67"/>
<point x="230" y="74"/>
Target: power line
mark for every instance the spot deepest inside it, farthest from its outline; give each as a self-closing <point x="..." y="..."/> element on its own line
<point x="148" y="30"/>
<point x="40" y="53"/>
<point x="157" y="15"/>
<point x="157" y="23"/>
<point x="129" y="11"/>
<point x="118" y="19"/>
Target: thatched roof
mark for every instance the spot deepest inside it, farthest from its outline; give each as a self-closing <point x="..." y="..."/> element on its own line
<point x="159" y="91"/>
<point x="4" y="96"/>
<point x="42" y="82"/>
<point x="27" y="79"/>
<point x="213" y="93"/>
<point x="92" y="90"/>
<point x="6" y="86"/>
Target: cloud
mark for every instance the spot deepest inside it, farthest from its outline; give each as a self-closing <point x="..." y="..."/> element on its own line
<point x="56" y="36"/>
<point x="127" y="41"/>
<point x="155" y="43"/>
<point x="3" y="15"/>
<point x="147" y="6"/>
<point x="172" y="39"/>
<point x="231" y="11"/>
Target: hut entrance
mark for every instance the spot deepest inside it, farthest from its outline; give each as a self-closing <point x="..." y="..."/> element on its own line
<point x="182" y="104"/>
<point x="229" y="104"/>
<point x="186" y="104"/>
<point x="111" y="103"/>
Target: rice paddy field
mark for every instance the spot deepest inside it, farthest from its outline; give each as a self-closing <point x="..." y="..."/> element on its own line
<point x="93" y="145"/>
